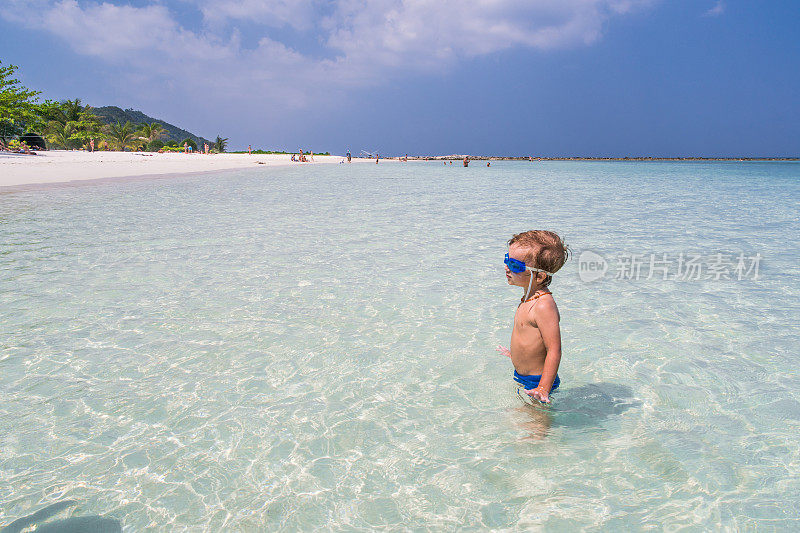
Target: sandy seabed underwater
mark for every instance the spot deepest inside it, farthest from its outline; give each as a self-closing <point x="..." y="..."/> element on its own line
<point x="302" y="348"/>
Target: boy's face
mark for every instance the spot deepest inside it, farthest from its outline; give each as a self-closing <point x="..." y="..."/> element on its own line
<point x="523" y="278"/>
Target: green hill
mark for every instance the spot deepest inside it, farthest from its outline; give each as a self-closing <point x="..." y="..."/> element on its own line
<point x="111" y="114"/>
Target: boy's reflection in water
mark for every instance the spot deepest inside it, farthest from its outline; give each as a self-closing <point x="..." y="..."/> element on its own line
<point x="534" y="419"/>
<point x="583" y="407"/>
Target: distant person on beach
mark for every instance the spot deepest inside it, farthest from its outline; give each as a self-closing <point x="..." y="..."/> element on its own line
<point x="377" y="158"/>
<point x="249" y="149"/>
<point x="466" y="161"/>
<point x="488" y="163"/>
<point x="205" y="148"/>
<point x="535" y="351"/>
<point x="185" y="148"/>
<point x="348" y="156"/>
<point x="91" y="145"/>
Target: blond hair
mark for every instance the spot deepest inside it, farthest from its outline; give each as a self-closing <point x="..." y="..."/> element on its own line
<point x="544" y="249"/>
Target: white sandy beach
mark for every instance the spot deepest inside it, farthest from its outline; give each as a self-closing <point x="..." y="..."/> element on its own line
<point x="57" y="166"/>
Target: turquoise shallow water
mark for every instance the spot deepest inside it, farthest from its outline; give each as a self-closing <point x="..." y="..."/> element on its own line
<point x="301" y="348"/>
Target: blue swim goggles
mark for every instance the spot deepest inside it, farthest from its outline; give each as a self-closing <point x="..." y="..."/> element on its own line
<point x="516" y="266"/>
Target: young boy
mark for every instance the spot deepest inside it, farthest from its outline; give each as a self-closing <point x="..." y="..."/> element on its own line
<point x="532" y="259"/>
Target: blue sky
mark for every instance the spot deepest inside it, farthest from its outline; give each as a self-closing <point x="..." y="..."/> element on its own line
<point x="506" y="77"/>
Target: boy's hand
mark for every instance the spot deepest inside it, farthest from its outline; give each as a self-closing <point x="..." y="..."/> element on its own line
<point x="503" y="350"/>
<point x="539" y="393"/>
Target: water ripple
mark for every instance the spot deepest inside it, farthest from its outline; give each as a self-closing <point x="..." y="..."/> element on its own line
<point x="288" y="349"/>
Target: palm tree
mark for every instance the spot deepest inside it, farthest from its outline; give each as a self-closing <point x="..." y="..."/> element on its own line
<point x="62" y="135"/>
<point x="121" y="135"/>
<point x="221" y="143"/>
<point x="73" y="117"/>
<point x="151" y="132"/>
<point x="70" y="111"/>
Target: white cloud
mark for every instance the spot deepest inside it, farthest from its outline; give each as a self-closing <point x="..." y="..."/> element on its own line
<point x="717" y="10"/>
<point x="297" y="14"/>
<point x="420" y="33"/>
<point x="429" y="32"/>
<point x="117" y="32"/>
<point x="363" y="42"/>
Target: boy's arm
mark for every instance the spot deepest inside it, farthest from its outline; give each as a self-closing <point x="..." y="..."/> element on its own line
<point x="547" y="322"/>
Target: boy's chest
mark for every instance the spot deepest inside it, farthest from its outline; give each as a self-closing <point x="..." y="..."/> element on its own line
<point x="524" y="319"/>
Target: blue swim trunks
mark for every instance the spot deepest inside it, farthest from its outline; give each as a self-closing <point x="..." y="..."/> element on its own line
<point x="531" y="382"/>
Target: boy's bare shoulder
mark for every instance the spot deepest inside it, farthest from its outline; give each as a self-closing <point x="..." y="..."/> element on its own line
<point x="544" y="308"/>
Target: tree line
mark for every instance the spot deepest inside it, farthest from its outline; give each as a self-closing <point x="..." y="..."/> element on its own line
<point x="71" y="125"/>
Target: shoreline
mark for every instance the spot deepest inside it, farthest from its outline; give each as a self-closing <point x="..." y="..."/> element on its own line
<point x="532" y="159"/>
<point x="64" y="167"/>
<point x="4" y="189"/>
